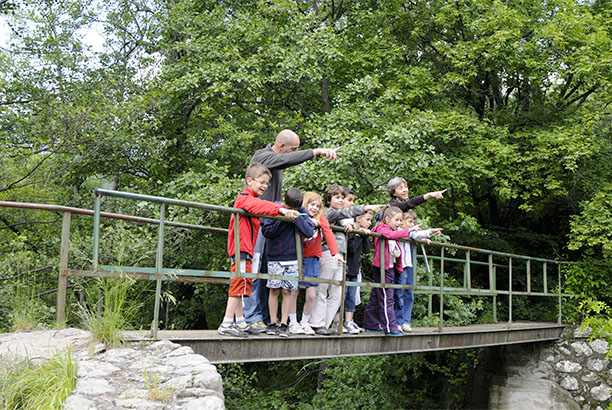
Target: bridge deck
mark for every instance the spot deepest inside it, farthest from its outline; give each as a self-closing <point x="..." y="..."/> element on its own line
<point x="224" y="349"/>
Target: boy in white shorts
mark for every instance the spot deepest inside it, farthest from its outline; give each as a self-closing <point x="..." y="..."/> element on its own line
<point x="281" y="252"/>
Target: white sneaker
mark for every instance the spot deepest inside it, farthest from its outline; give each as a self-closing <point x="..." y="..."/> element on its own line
<point x="307" y="329"/>
<point x="296" y="329"/>
<point x="352" y="328"/>
<point x="406" y="328"/>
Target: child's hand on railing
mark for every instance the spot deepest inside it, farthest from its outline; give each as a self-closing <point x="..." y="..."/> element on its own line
<point x="348" y="227"/>
<point x="289" y="213"/>
<point x="365" y="230"/>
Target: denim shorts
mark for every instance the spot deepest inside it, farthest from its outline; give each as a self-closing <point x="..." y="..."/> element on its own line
<point x="311" y="270"/>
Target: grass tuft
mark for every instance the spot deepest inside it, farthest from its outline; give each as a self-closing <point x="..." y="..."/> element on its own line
<point x="155" y="391"/>
<point x="107" y="323"/>
<point x="36" y="386"/>
<point x="27" y="311"/>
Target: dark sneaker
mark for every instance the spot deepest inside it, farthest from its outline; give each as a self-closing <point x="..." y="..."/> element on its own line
<point x="231" y="330"/>
<point x="272" y="329"/>
<point x="395" y="333"/>
<point x="322" y="331"/>
<point x="283" y="330"/>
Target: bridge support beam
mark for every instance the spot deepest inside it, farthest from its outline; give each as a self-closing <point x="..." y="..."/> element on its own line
<point x="222" y="349"/>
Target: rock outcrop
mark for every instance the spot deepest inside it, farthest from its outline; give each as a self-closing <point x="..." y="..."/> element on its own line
<point x="572" y="373"/>
<point x="160" y="375"/>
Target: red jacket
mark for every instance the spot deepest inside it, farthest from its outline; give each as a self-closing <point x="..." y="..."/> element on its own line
<point x="248" y="226"/>
<point x="312" y="246"/>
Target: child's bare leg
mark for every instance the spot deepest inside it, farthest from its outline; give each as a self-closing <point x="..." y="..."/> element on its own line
<point x="311" y="292"/>
<point x="285" y="306"/>
<point x="294" y="297"/>
<point x="234" y="307"/>
<point x="273" y="304"/>
<point x="239" y="309"/>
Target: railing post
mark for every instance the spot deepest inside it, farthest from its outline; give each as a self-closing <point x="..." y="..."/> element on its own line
<point x="158" y="268"/>
<point x="237" y="245"/>
<point x="528" y="276"/>
<point x="545" y="278"/>
<point x="440" y="323"/>
<point x="468" y="272"/>
<point x="96" y="238"/>
<point x="300" y="255"/>
<point x="415" y="275"/>
<point x="510" y="291"/>
<point x="383" y="262"/>
<point x="430" y="296"/>
<point x="493" y="286"/>
<point x="63" y="270"/>
<point x="560" y="293"/>
<point x="383" y="265"/>
<point x="343" y="287"/>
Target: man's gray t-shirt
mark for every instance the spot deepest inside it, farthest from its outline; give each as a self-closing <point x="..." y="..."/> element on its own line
<point x="276" y="163"/>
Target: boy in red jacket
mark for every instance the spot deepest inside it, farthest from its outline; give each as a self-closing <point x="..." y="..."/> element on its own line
<point x="257" y="181"/>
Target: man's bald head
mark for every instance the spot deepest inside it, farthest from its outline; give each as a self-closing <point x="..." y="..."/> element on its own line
<point x="286" y="141"/>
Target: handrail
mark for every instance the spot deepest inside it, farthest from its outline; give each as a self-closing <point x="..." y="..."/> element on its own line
<point x="160" y="273"/>
<point x="226" y="209"/>
<point x="89" y="212"/>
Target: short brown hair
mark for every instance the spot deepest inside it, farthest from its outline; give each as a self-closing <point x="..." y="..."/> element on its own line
<point x="256" y="170"/>
<point x="410" y="214"/>
<point x="331" y="191"/>
<point x="362" y="215"/>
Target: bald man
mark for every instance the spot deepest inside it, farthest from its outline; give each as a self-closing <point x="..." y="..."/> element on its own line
<point x="278" y="156"/>
<point x="284" y="154"/>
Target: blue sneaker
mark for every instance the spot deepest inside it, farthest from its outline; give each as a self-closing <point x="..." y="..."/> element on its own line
<point x="395" y="333"/>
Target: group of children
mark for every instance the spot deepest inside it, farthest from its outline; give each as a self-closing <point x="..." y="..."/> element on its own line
<point x="324" y="254"/>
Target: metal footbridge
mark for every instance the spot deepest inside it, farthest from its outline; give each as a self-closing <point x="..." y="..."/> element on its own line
<point x="226" y="349"/>
<point x="442" y="270"/>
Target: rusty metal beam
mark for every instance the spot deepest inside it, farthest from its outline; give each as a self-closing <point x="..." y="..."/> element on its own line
<point x="222" y="349"/>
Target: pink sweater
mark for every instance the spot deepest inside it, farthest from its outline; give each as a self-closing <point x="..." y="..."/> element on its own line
<point x="384" y="229"/>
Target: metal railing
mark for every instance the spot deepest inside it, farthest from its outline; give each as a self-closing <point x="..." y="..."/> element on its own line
<point x="159" y="273"/>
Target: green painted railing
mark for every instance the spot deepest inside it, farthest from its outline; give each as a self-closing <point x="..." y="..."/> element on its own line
<point x="159" y="273"/>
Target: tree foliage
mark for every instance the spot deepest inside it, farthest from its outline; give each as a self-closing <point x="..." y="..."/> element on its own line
<point x="505" y="103"/>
